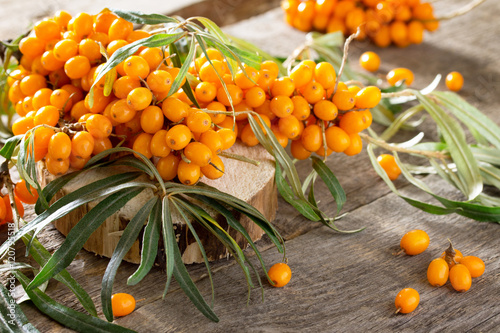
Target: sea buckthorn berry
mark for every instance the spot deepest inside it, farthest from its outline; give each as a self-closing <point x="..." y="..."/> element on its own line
<point x="270" y="66"/>
<point x="139" y="34"/>
<point x="15" y="93"/>
<point x="282" y="139"/>
<point x="32" y="46"/>
<point x="367" y="118"/>
<point x="298" y="151"/>
<point x="174" y="109"/>
<point x="266" y="80"/>
<point x="356" y="145"/>
<point x="388" y="163"/>
<point x="312" y="138"/>
<point x="368" y="97"/>
<point x="38" y="68"/>
<point x="205" y="92"/>
<point x="324" y="74"/>
<point x="139" y="98"/>
<point x="344" y="99"/>
<point x="47" y="30"/>
<point x="115" y="45"/>
<point x="212" y="140"/>
<point x="280" y="274"/>
<point x="188" y="173"/>
<point x="136" y="67"/>
<point x="454" y="81"/>
<point x="120" y="29"/>
<point x="79" y="110"/>
<point x="217" y="118"/>
<point x="101" y="145"/>
<point x="283" y="86"/>
<point x="370" y="61"/>
<point x="474" y="264"/>
<point x="59" y="146"/>
<point x="290" y="127"/>
<point x="313" y="92"/>
<point x="90" y="48"/>
<point x="49" y="61"/>
<point x="416" y="32"/>
<point x="198" y="153"/>
<point x="47" y="115"/>
<point x="399" y="74"/>
<point x="228" y="137"/>
<point x="399" y="33"/>
<point x="235" y="93"/>
<point x="352" y="122"/>
<point x="460" y="278"/>
<point x="77" y="67"/>
<point x="29" y="196"/>
<point x="414" y="242"/>
<point x="65" y="49"/>
<point x="103" y="20"/>
<point x="122" y="304"/>
<point x="61" y="100"/>
<point x="142" y="144"/>
<point x="159" y="147"/>
<point x="407" y="300"/>
<point x="438" y="272"/>
<point x="3" y="211"/>
<point x="302" y="74"/>
<point x="153" y="56"/>
<point x="325" y="110"/>
<point x="82" y="145"/>
<point x="178" y="137"/>
<point x="161" y="81"/>
<point x="198" y="121"/>
<point x="42" y="137"/>
<point x="282" y="106"/>
<point x="22" y="125"/>
<point x="82" y="24"/>
<point x="8" y="208"/>
<point x="121" y="111"/>
<point x="248" y="136"/>
<point x="152" y="119"/>
<point x="167" y="166"/>
<point x="301" y="108"/>
<point x="124" y="85"/>
<point x="248" y="80"/>
<point x="215" y="169"/>
<point x="99" y="126"/>
<point x="212" y="71"/>
<point x="255" y="97"/>
<point x="30" y="84"/>
<point x="100" y="101"/>
<point x="337" y="139"/>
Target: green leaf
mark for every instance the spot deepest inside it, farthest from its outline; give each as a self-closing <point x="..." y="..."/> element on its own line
<point x="169" y="240"/>
<point x="150" y="241"/>
<point x="12" y="318"/>
<point x="81" y="232"/>
<point x="460" y="152"/>
<point x="489" y="155"/>
<point x="141" y="18"/>
<point x="52" y="188"/>
<point x="126" y="241"/>
<point x="74" y="200"/>
<point x="41" y="256"/>
<point x="67" y="316"/>
<point x="125" y="51"/>
<point x="9" y="146"/>
<point x="183" y="72"/>
<point x="490" y="174"/>
<point x="187" y="285"/>
<point x="331" y="182"/>
<point x="234" y="53"/>
<point x="470" y="116"/>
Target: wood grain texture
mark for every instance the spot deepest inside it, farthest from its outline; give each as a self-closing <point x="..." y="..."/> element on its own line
<point x="341" y="283"/>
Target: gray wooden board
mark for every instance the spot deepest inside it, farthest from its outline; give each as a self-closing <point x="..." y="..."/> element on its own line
<point x="341" y="282"/>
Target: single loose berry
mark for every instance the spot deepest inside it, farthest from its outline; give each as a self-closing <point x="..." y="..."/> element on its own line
<point x="280" y="274"/>
<point x="414" y="242"/>
<point x="454" y="81"/>
<point x="407" y="300"/>
<point x="122" y="304"/>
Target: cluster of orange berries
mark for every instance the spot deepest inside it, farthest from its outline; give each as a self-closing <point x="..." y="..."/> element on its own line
<point x="23" y="193"/>
<point x="450" y="265"/>
<point x="50" y="91"/>
<point x="401" y="22"/>
<point x="306" y="107"/>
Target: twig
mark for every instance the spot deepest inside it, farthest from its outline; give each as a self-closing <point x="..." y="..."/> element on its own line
<point x="401" y="93"/>
<point x="344" y="57"/>
<point x="390" y="147"/>
<point x="464" y="10"/>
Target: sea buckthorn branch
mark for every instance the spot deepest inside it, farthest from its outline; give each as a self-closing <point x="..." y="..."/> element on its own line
<point x="402" y="93"/>
<point x="461" y="11"/>
<point x="390" y="147"/>
<point x="344" y="57"/>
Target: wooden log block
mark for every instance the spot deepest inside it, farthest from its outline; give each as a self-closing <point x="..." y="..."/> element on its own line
<point x="253" y="184"/>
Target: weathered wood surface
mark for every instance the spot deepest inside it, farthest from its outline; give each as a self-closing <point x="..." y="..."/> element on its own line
<point x="253" y="184"/>
<point x="341" y="283"/>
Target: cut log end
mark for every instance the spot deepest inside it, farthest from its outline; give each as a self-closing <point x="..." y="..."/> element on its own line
<point x="252" y="184"/>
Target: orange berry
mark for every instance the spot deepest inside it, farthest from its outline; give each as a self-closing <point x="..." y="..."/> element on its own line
<point x="99" y="126"/>
<point x="22" y="125"/>
<point x="61" y="100"/>
<point x="210" y="171"/>
<point x="142" y="144"/>
<point x="120" y="29"/>
<point x="82" y="24"/>
<point x="303" y="73"/>
<point x="324" y="74"/>
<point x="122" y="304"/>
<point x="370" y="61"/>
<point x="32" y="46"/>
<point x="8" y="208"/>
<point x="59" y="146"/>
<point x="198" y="121"/>
<point x="248" y="136"/>
<point x="212" y="140"/>
<point x="160" y="81"/>
<point x="152" y="55"/>
<point x="474" y="264"/>
<point x="124" y="85"/>
<point x="235" y="93"/>
<point x="388" y="163"/>
<point x="90" y="49"/>
<point x="152" y="119"/>
<point x="29" y="196"/>
<point x="281" y="106"/>
<point x="368" y="97"/>
<point x="438" y="272"/>
<point x="167" y="166"/>
<point x="313" y="92"/>
<point x="454" y="81"/>
<point x="30" y="84"/>
<point x="344" y="99"/>
<point x="3" y="211"/>
<point x="46" y="115"/>
<point x="337" y="139"/>
<point x="136" y="67"/>
<point x="283" y="86"/>
<point x="460" y="278"/>
<point x="414" y="242"/>
<point x="356" y="145"/>
<point x="101" y="145"/>
<point x="82" y="145"/>
<point x="407" y="300"/>
<point x="205" y="92"/>
<point x="212" y="71"/>
<point x="188" y="173"/>
<point x="77" y="67"/>
<point x="113" y="46"/>
<point x="290" y="127"/>
<point x="139" y="98"/>
<point x="301" y="108"/>
<point x="47" y="30"/>
<point x="174" y="109"/>
<point x="298" y="151"/>
<point x="312" y="138"/>
<point x="325" y="110"/>
<point x="255" y="97"/>
<point x="415" y="32"/>
<point x="103" y="20"/>
<point x="198" y="153"/>
<point x="178" y="137"/>
<point x="280" y="274"/>
<point x="247" y="81"/>
<point x="400" y="74"/>
<point x="121" y="111"/>
<point x="65" y="49"/>
<point x="228" y="137"/>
